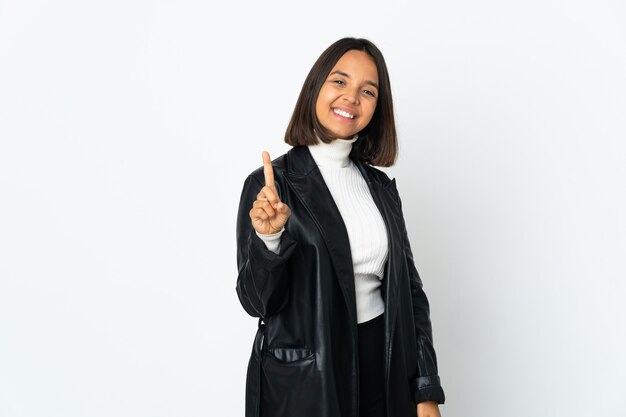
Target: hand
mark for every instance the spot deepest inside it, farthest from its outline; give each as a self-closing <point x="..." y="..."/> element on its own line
<point x="268" y="213"/>
<point x="428" y="409"/>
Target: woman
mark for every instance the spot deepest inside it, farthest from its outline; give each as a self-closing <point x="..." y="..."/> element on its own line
<point x="324" y="260"/>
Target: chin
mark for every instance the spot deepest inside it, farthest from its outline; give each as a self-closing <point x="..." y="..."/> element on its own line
<point x="342" y="135"/>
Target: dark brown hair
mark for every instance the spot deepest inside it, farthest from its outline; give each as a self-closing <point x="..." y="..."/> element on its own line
<point x="378" y="143"/>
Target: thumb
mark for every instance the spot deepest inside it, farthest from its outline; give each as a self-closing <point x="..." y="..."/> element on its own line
<point x="283" y="209"/>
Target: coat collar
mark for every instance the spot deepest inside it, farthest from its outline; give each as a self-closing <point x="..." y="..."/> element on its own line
<point x="304" y="177"/>
<point x="300" y="163"/>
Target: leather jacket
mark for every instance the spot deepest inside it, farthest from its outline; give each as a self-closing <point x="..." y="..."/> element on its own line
<point x="304" y="360"/>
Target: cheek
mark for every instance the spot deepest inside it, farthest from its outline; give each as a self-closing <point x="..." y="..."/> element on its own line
<point x="320" y="102"/>
<point x="370" y="112"/>
<point x="322" y="98"/>
<point x="318" y="109"/>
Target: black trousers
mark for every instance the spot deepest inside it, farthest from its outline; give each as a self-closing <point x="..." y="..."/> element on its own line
<point x="372" y="367"/>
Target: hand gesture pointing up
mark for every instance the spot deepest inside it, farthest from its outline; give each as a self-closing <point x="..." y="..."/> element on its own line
<point x="268" y="213"/>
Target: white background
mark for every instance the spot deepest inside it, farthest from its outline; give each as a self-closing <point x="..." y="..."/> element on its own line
<point x="128" y="127"/>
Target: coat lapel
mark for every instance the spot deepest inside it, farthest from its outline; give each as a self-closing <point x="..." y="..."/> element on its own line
<point x="306" y="181"/>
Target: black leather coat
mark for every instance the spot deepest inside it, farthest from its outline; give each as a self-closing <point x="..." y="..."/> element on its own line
<point x="304" y="360"/>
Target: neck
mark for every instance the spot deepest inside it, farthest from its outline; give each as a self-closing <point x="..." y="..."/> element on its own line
<point x="335" y="154"/>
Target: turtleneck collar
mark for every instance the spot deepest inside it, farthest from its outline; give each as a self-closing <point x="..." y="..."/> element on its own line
<point x="334" y="154"/>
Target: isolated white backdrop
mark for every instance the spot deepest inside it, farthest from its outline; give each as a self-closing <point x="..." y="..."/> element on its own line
<point x="128" y="127"/>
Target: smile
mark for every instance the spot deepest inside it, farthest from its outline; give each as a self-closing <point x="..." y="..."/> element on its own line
<point x="343" y="113"/>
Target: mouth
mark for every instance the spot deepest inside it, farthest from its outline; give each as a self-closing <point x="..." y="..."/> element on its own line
<point x="343" y="113"/>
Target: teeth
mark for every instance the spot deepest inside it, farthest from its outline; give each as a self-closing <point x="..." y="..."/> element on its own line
<point x="343" y="113"/>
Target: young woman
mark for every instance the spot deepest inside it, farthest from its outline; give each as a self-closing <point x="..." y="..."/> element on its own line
<point x="324" y="259"/>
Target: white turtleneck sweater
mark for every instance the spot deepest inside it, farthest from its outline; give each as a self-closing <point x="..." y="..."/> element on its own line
<point x="366" y="228"/>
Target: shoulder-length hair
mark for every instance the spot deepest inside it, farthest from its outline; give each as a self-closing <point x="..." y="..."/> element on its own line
<point x="378" y="143"/>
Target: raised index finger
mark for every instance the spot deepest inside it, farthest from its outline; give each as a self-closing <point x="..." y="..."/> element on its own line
<point x="268" y="171"/>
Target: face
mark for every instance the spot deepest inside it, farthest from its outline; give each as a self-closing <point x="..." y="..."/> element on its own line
<point x="347" y="99"/>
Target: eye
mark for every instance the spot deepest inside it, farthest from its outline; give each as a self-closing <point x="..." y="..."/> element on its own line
<point x="339" y="82"/>
<point x="369" y="92"/>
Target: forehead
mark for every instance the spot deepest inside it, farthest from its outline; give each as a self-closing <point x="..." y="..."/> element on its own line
<point x="357" y="64"/>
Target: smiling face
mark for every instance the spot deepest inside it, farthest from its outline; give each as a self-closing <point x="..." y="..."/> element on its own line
<point x="347" y="100"/>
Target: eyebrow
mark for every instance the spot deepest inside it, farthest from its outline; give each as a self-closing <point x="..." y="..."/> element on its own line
<point x="372" y="83"/>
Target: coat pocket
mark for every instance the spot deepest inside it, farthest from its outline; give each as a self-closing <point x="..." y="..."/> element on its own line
<point x="290" y="355"/>
<point x="290" y="383"/>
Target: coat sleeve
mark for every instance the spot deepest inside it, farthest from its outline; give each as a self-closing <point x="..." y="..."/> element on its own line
<point x="426" y="386"/>
<point x="262" y="282"/>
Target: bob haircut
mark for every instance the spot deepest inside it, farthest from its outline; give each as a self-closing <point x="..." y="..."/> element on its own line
<point x="378" y="143"/>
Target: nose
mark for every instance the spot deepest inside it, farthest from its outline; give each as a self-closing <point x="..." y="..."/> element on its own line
<point x="351" y="95"/>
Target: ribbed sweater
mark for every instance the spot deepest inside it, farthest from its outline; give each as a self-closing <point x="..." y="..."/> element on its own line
<point x="365" y="226"/>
